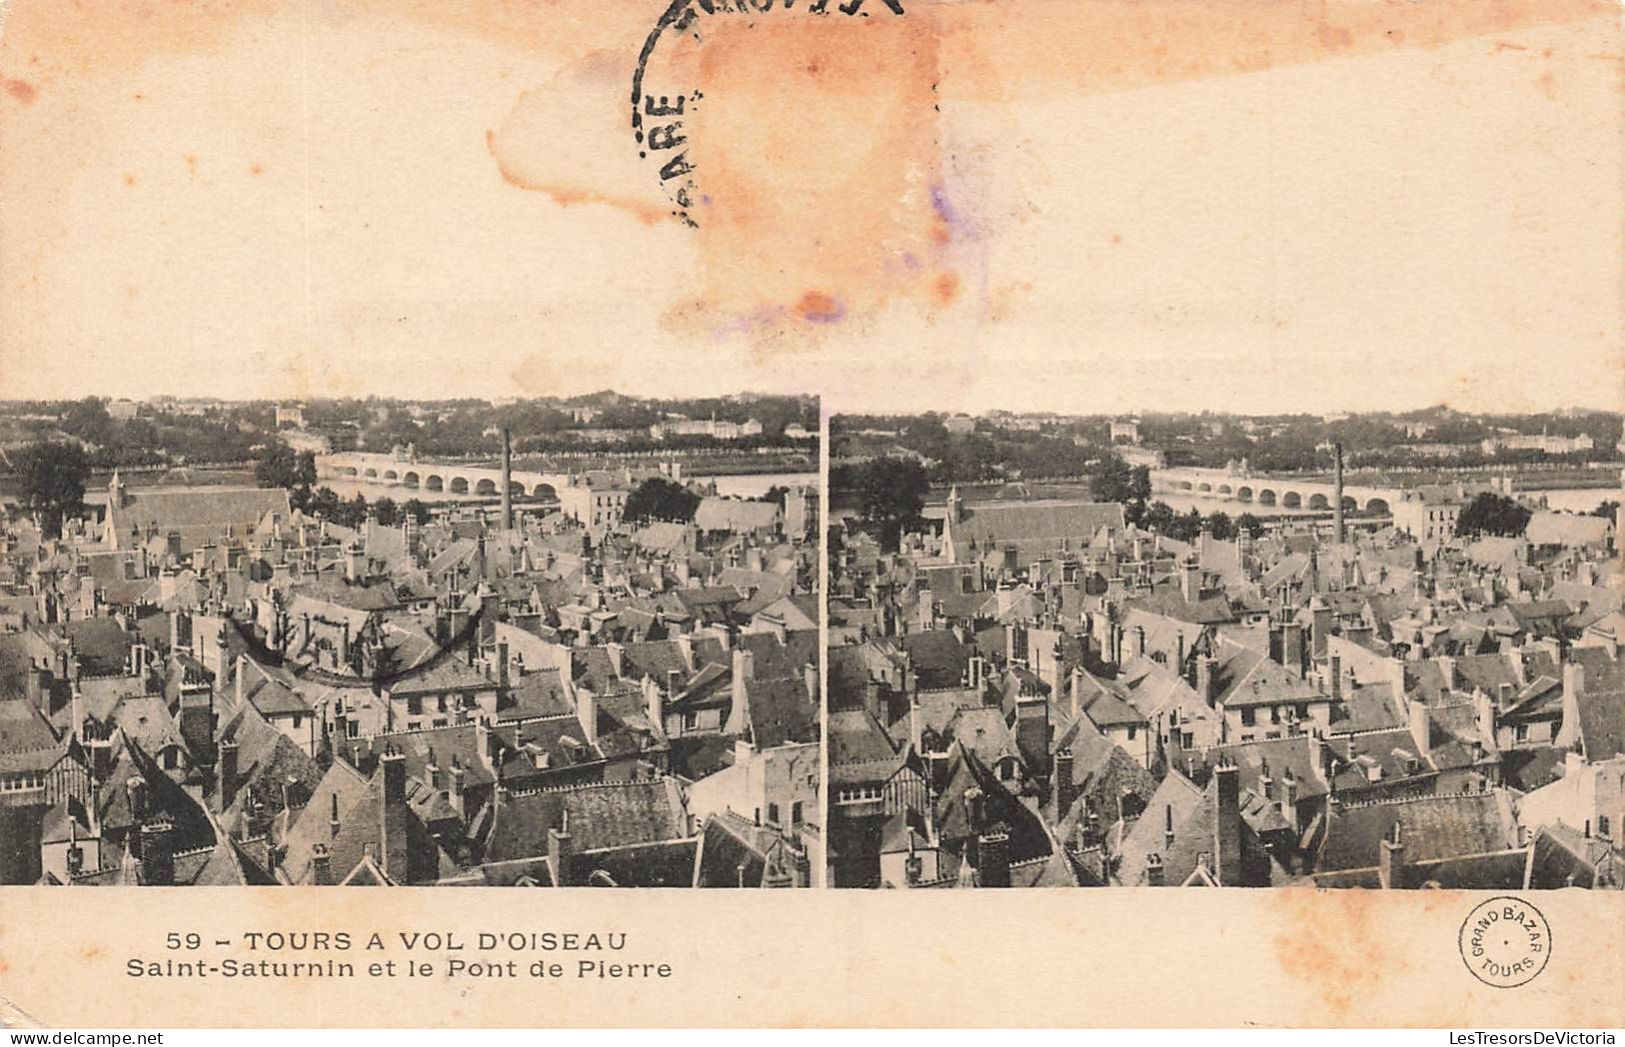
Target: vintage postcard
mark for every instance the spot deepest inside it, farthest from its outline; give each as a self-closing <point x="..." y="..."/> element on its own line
<point x="1166" y="454"/>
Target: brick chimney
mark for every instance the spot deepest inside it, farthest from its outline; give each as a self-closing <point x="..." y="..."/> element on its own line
<point x="1207" y="679"/>
<point x="321" y="865"/>
<point x="226" y="768"/>
<point x="1066" y="790"/>
<point x="157" y="855"/>
<point x="587" y="715"/>
<point x="993" y="859"/>
<point x="507" y="480"/>
<point x="1391" y="861"/>
<point x="1227" y="824"/>
<point x="744" y="669"/>
<point x="394" y="818"/>
<point x="559" y="852"/>
<point x="1321" y="625"/>
<point x="1338" y="530"/>
<point x="1292" y="651"/>
<point x="1421" y="727"/>
<point x="1574" y="685"/>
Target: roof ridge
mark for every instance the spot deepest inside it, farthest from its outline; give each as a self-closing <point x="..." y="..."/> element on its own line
<point x="585" y="786"/>
<point x="1396" y="800"/>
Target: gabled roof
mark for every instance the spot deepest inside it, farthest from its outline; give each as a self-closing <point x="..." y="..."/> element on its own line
<point x="1430" y="828"/>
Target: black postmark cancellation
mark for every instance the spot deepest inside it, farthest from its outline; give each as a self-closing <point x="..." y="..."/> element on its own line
<point x="1505" y="942"/>
<point x="665" y="94"/>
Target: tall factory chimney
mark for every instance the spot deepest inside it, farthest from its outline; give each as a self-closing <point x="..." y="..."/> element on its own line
<point x="1337" y="492"/>
<point x="507" y="480"/>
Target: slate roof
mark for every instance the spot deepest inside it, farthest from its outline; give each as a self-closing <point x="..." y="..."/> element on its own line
<point x="599" y="816"/>
<point x="1431" y="828"/>
<point x="1032" y="527"/>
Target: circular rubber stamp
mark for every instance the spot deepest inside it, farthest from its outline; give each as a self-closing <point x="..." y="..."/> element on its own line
<point x="1505" y="942"/>
<point x="665" y="93"/>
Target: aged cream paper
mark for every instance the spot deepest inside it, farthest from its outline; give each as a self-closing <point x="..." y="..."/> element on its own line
<point x="927" y="204"/>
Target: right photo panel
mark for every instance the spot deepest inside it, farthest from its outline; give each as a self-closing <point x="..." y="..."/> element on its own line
<point x="1352" y="650"/>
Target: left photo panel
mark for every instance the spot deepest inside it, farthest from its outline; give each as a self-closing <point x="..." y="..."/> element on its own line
<point x="538" y="642"/>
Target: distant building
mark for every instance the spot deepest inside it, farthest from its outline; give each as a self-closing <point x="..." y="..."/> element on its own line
<point x="290" y="415"/>
<point x="717" y="430"/>
<point x="1429" y="514"/>
<point x="1126" y="429"/>
<point x="959" y="424"/>
<point x="1544" y="443"/>
<point x="303" y="440"/>
<point x="122" y="410"/>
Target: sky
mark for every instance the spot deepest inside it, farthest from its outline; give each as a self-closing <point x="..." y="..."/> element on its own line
<point x="1086" y="207"/>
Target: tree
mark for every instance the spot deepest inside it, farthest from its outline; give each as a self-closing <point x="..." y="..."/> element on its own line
<point x="1607" y="509"/>
<point x="326" y="502"/>
<point x="1220" y="524"/>
<point x="281" y="466"/>
<point x="660" y="499"/>
<point x="1111" y="480"/>
<point x="1249" y="523"/>
<point x="891" y="492"/>
<point x="88" y="420"/>
<point x="388" y="512"/>
<point x="53" y="479"/>
<point x="415" y="508"/>
<point x="1492" y="514"/>
<point x="776" y="494"/>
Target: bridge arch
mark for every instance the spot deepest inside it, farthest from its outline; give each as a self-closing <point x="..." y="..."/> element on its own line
<point x="1204" y="487"/>
<point x="390" y="474"/>
<point x="411" y="479"/>
<point x="371" y="474"/>
<point x="459" y="485"/>
<point x="1291" y="500"/>
<point x="1319" y="501"/>
<point x="545" y="490"/>
<point x="486" y="487"/>
<point x="1183" y="485"/>
<point x="1244" y="493"/>
<point x="1266" y="497"/>
<point x="1225" y="489"/>
<point x="516" y="489"/>
<point x="1377" y="505"/>
<point x="434" y="483"/>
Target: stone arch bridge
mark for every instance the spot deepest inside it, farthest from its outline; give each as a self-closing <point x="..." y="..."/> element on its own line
<point x="476" y="481"/>
<point x="1283" y="492"/>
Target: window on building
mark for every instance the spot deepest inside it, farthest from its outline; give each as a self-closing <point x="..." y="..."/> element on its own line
<point x="1249" y="717"/>
<point x="1602" y="825"/>
<point x="1132" y="731"/>
<point x="414" y="706"/>
<point x="298" y="719"/>
<point x="352" y="729"/>
<point x="773" y="813"/>
<point x="1522" y="732"/>
<point x="795" y="813"/>
<point x="1275" y="714"/>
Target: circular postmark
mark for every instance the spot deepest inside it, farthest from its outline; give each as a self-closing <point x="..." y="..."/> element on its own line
<point x="1505" y="942"/>
<point x="665" y="92"/>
